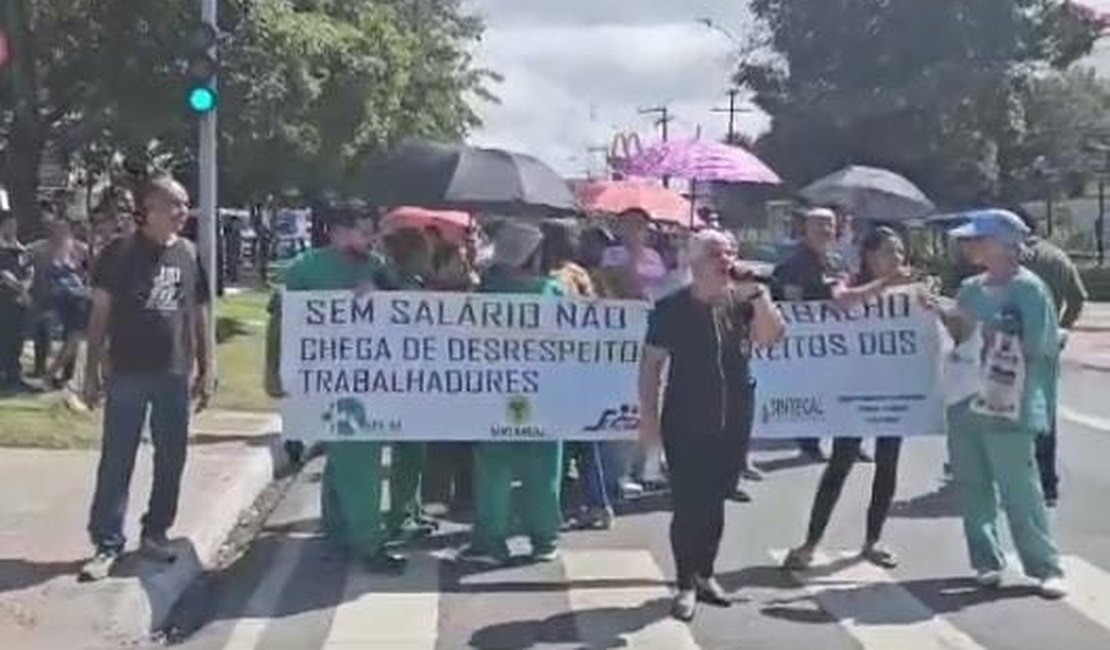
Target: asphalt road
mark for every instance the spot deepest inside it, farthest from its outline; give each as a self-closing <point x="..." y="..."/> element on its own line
<point x="291" y="591"/>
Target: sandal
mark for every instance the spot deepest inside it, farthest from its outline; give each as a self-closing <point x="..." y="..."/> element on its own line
<point x="798" y="559"/>
<point x="879" y="557"/>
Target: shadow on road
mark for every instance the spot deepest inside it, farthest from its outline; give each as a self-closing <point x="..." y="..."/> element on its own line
<point x="16" y="574"/>
<point x="591" y="629"/>
<point x="941" y="502"/>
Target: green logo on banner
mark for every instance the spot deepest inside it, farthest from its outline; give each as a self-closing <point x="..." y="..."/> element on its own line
<point x="519" y="410"/>
<point x="346" y="418"/>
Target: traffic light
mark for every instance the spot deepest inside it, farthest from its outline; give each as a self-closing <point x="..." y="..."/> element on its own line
<point x="201" y="96"/>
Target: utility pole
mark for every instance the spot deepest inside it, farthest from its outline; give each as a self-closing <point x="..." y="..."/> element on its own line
<point x="207" y="226"/>
<point x="732" y="110"/>
<point x="665" y="117"/>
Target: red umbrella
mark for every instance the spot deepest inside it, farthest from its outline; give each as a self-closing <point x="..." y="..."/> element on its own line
<point x="452" y="224"/>
<point x="616" y="197"/>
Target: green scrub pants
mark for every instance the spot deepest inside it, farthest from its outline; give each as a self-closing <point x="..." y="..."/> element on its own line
<point x="351" y="496"/>
<point x="538" y="465"/>
<point x="994" y="466"/>
<point x="407" y="467"/>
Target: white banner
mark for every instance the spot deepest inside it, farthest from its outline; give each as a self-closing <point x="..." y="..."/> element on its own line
<point x="874" y="370"/>
<point x="457" y="366"/>
<point x="454" y="366"/>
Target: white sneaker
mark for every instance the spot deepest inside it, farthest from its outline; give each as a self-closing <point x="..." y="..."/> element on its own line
<point x="1053" y="588"/>
<point x="989" y="579"/>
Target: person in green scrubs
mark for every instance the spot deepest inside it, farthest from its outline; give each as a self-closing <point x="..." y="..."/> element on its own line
<point x="409" y="264"/>
<point x="992" y="433"/>
<point x="350" y="492"/>
<point x="516" y="268"/>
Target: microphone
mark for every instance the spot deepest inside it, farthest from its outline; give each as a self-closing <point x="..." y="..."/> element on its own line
<point x="740" y="273"/>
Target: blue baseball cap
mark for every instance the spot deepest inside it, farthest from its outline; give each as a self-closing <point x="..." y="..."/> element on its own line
<point x="1001" y="225"/>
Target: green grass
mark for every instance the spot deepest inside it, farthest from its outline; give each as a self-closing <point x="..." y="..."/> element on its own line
<point x="241" y="332"/>
<point x="47" y="421"/>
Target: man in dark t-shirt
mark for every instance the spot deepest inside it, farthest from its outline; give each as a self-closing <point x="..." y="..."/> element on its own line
<point x="150" y="305"/>
<point x="705" y="333"/>
<point x="812" y="272"/>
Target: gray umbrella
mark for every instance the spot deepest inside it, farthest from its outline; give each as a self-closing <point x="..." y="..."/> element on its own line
<point x="870" y="193"/>
<point x="460" y="177"/>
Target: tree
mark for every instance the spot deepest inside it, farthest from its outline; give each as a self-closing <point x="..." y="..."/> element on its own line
<point x="1065" y="113"/>
<point x="85" y="73"/>
<point x="929" y="89"/>
<point x="314" y="90"/>
<point x="310" y="89"/>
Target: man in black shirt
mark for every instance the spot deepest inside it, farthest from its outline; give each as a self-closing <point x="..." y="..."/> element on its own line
<point x="150" y="304"/>
<point x="15" y="281"/>
<point x="705" y="332"/>
<point x="812" y="272"/>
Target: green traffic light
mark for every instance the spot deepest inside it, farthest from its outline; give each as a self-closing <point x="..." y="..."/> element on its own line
<point x="202" y="99"/>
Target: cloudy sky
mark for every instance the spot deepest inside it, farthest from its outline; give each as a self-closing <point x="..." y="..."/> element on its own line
<point x="576" y="71"/>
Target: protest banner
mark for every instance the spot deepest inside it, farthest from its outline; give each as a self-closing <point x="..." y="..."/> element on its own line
<point x="871" y="370"/>
<point x="455" y="366"/>
<point x="452" y="366"/>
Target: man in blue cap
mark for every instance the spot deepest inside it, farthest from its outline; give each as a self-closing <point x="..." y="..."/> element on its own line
<point x="992" y="433"/>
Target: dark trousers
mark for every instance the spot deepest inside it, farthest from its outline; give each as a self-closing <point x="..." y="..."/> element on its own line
<point x="125" y="409"/>
<point x="845" y="454"/>
<point x="1046" y="463"/>
<point x="703" y="469"/>
<point x="40" y="337"/>
<point x="449" y="474"/>
<point x="592" y="492"/>
<point x="12" y="320"/>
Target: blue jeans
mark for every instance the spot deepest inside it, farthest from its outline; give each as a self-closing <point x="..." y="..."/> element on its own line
<point x="128" y="398"/>
<point x="587" y="455"/>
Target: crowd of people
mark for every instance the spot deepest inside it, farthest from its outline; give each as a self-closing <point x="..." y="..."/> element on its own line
<point x="138" y="295"/>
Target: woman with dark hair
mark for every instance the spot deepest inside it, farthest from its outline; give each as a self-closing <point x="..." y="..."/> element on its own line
<point x="558" y="252"/>
<point x="882" y="265"/>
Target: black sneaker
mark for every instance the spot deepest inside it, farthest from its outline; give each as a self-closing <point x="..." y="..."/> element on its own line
<point x="739" y="495"/>
<point x="157" y="547"/>
<point x="99" y="567"/>
<point x="386" y="562"/>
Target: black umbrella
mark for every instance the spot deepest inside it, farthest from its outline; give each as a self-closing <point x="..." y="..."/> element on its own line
<point x="460" y="177"/>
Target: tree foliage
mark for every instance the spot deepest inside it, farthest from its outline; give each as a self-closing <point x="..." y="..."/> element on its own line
<point x="931" y="89"/>
<point x="310" y="89"/>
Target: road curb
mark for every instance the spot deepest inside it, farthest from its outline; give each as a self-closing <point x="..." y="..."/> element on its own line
<point x="143" y="603"/>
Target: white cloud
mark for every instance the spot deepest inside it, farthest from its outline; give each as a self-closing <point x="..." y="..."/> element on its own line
<point x="577" y="71"/>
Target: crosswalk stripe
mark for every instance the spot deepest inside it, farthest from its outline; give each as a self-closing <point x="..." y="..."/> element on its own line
<point x="264" y="599"/>
<point x="876" y="611"/>
<point x="394" y="613"/>
<point x="621" y="565"/>
<point x="1088" y="589"/>
<point x="1090" y="421"/>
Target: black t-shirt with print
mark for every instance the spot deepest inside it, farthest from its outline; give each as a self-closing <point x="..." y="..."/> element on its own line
<point x="154" y="289"/>
<point x="709" y="386"/>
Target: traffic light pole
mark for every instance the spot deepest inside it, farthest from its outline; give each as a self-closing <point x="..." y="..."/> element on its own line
<point x="207" y="225"/>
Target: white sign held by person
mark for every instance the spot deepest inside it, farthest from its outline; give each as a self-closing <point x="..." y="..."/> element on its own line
<point x="871" y="370"/>
<point x="456" y="366"/>
<point x="430" y="366"/>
